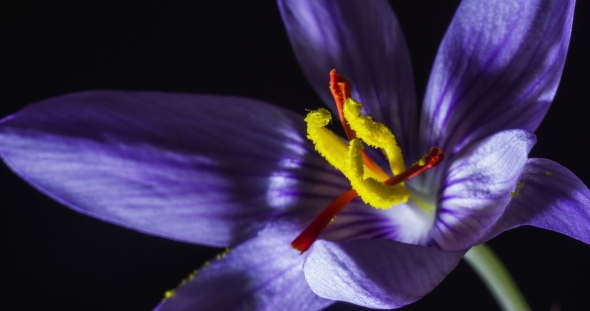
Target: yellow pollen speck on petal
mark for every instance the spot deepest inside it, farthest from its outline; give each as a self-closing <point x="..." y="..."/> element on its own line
<point x="371" y="191"/>
<point x="374" y="134"/>
<point x="221" y="255"/>
<point x="168" y="294"/>
<point x="548" y="173"/>
<point x="193" y="274"/>
<point x="519" y="186"/>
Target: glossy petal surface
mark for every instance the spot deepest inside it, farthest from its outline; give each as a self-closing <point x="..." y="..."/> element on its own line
<point x="263" y="273"/>
<point x="477" y="187"/>
<point x="498" y="67"/>
<point x="362" y="40"/>
<point x="552" y="198"/>
<point x="376" y="273"/>
<point x="204" y="169"/>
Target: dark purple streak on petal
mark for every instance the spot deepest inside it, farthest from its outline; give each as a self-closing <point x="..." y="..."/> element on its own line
<point x="358" y="221"/>
<point x="498" y="68"/>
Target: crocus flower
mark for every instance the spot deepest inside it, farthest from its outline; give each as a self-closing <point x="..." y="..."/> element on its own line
<point x="239" y="173"/>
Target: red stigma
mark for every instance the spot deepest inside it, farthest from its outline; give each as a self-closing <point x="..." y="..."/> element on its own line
<point x="431" y="159"/>
<point x="340" y="88"/>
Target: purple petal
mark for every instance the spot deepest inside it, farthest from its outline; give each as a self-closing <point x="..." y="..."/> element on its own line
<point x="203" y="169"/>
<point x="497" y="68"/>
<point x="376" y="273"/>
<point x="363" y="41"/>
<point x="264" y="273"/>
<point x="552" y="198"/>
<point x="477" y="188"/>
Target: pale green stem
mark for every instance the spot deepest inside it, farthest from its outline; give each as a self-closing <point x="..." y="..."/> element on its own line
<point x="493" y="273"/>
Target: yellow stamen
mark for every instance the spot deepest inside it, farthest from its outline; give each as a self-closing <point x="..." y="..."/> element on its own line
<point x="348" y="159"/>
<point x="374" y="134"/>
<point x="368" y="180"/>
<point x="328" y="144"/>
<point x="371" y="191"/>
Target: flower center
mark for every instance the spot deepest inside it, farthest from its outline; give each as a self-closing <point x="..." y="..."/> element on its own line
<point x="368" y="180"/>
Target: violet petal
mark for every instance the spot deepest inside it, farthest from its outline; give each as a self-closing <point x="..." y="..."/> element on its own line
<point x="204" y="169"/>
<point x="477" y="188"/>
<point x="498" y="67"/>
<point x="263" y="273"/>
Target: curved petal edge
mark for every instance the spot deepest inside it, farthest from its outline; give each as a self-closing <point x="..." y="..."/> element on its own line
<point x="478" y="186"/>
<point x="551" y="198"/>
<point x="264" y="273"/>
<point x="378" y="274"/>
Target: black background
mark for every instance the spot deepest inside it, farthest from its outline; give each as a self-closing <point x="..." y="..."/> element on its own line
<point x="54" y="258"/>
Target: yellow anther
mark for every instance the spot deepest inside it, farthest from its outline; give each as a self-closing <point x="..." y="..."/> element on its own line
<point x="374" y="134"/>
<point x="348" y="159"/>
<point x="519" y="186"/>
<point x="371" y="191"/>
<point x="328" y="144"/>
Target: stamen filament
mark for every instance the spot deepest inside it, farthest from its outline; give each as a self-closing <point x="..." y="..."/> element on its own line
<point x="372" y="166"/>
<point x="306" y="238"/>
